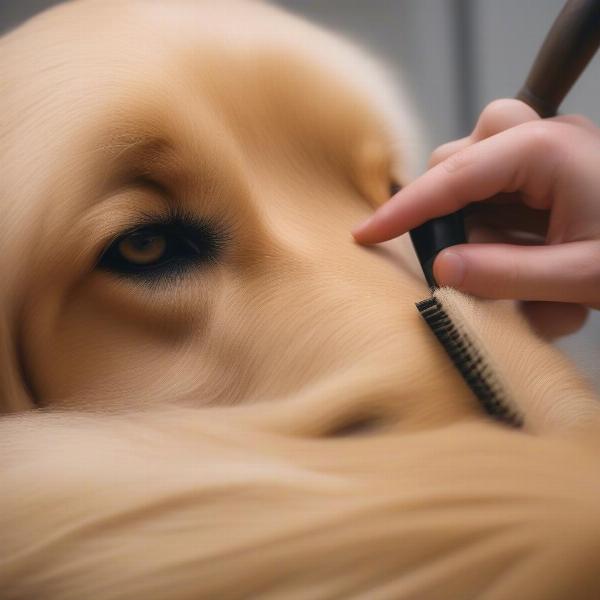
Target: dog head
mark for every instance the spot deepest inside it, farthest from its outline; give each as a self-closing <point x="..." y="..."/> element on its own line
<point x="178" y="186"/>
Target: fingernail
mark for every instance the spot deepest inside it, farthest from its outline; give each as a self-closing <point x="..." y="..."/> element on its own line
<point x="451" y="268"/>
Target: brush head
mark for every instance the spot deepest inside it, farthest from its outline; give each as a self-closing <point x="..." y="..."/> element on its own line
<point x="469" y="362"/>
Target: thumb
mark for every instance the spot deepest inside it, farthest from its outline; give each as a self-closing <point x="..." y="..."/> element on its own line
<point x="562" y="273"/>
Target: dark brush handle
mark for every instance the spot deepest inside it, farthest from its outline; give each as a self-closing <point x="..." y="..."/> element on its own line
<point x="568" y="48"/>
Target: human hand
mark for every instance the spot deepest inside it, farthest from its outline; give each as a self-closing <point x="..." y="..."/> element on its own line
<point x="537" y="238"/>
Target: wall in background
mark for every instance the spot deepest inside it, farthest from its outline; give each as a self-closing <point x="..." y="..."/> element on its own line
<point x="456" y="56"/>
<point x="425" y="40"/>
<point x="12" y="12"/>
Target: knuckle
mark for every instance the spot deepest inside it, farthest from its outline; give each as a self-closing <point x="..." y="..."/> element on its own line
<point x="439" y="154"/>
<point x="499" y="107"/>
<point x="580" y="121"/>
<point x="436" y="157"/>
<point x="502" y="114"/>
<point x="544" y="155"/>
<point x="543" y="136"/>
<point x="442" y="152"/>
<point x="491" y="116"/>
<point x="460" y="160"/>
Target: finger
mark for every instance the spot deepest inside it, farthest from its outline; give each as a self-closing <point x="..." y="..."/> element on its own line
<point x="523" y="159"/>
<point x="497" y="116"/>
<point x="561" y="273"/>
<point x="501" y="115"/>
<point x="552" y="320"/>
<point x="445" y="150"/>
<point x="578" y="121"/>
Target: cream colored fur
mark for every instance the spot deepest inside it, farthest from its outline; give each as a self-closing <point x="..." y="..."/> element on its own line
<point x="280" y="425"/>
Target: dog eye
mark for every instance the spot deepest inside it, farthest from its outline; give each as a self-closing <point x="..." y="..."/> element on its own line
<point x="160" y="249"/>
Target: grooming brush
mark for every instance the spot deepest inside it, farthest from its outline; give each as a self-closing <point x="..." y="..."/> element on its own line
<point x="569" y="46"/>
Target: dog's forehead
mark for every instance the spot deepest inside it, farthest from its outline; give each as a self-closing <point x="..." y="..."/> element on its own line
<point x="232" y="52"/>
<point x="100" y="74"/>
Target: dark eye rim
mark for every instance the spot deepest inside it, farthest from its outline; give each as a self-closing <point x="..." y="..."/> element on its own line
<point x="190" y="243"/>
<point x="395" y="187"/>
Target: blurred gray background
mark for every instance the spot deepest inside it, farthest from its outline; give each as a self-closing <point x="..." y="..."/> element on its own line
<point x="456" y="56"/>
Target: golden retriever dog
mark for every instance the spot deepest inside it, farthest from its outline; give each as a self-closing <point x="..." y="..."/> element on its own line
<point x="208" y="390"/>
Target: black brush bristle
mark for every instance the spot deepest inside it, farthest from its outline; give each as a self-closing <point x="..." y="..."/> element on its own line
<point x="471" y="365"/>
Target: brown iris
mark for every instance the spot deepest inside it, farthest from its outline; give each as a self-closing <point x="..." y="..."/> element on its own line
<point x="143" y="247"/>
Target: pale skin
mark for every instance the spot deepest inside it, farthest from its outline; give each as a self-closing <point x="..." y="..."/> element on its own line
<point x="537" y="236"/>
